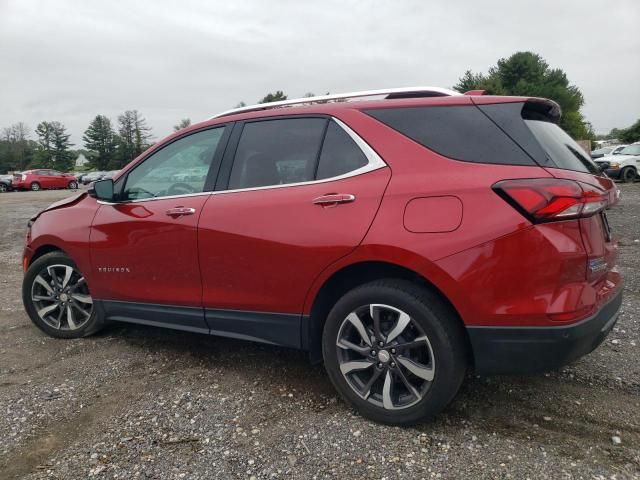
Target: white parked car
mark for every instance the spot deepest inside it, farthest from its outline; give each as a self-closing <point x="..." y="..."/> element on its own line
<point x="624" y="165"/>
<point x="604" y="151"/>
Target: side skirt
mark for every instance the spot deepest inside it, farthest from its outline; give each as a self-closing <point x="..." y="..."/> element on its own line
<point x="282" y="329"/>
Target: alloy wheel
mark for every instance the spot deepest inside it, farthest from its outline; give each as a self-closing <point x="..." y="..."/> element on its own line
<point x="385" y="356"/>
<point x="61" y="297"/>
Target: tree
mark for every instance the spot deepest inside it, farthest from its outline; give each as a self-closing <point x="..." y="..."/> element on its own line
<point x="528" y="74"/>
<point x="184" y="123"/>
<point x="241" y="104"/>
<point x="100" y="139"/>
<point x="17" y="150"/>
<point x="133" y="137"/>
<point x="631" y="134"/>
<point x="273" y="97"/>
<point x="53" y="146"/>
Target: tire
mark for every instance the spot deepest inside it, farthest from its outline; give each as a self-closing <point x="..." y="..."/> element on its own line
<point x="438" y="364"/>
<point x="73" y="185"/>
<point x="3" y="188"/>
<point x="628" y="174"/>
<point x="37" y="285"/>
<point x="35" y="186"/>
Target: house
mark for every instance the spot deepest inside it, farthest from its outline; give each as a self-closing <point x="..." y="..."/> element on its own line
<point x="81" y="161"/>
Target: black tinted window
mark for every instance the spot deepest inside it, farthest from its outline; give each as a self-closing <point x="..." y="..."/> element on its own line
<point x="458" y="132"/>
<point x="340" y="154"/>
<point x="277" y="152"/>
<point x="561" y="148"/>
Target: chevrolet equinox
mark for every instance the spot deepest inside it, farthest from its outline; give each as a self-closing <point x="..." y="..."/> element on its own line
<point x="399" y="236"/>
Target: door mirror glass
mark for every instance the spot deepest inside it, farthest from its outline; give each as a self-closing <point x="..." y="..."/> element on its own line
<point x="102" y="190"/>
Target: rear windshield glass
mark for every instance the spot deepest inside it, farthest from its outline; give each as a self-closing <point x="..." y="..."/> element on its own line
<point x="562" y="149"/>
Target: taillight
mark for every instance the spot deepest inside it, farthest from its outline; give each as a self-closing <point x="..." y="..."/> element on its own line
<point x="551" y="199"/>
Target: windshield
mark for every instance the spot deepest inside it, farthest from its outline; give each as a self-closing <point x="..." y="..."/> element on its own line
<point x="561" y="148"/>
<point x="630" y="150"/>
<point x="602" y="151"/>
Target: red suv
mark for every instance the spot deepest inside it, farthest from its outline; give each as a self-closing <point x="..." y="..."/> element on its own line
<point x="39" y="179"/>
<point x="399" y="240"/>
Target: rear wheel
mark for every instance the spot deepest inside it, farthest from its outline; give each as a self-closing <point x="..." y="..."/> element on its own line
<point x="73" y="185"/>
<point x="3" y="188"/>
<point x="57" y="298"/>
<point x="395" y="351"/>
<point x="35" y="186"/>
<point x="628" y="174"/>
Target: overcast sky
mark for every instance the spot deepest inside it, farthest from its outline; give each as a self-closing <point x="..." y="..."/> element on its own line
<point x="70" y="60"/>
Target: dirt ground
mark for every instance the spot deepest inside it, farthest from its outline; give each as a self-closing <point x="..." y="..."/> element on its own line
<point x="135" y="402"/>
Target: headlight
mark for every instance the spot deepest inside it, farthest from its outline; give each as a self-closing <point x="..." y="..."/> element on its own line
<point x="24" y="177"/>
<point x="614" y="165"/>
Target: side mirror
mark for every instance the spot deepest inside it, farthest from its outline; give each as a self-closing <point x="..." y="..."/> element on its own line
<point x="102" y="190"/>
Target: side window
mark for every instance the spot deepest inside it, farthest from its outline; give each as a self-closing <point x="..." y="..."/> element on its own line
<point x="458" y="132"/>
<point x="277" y="152"/>
<point x="179" y="168"/>
<point x="340" y="154"/>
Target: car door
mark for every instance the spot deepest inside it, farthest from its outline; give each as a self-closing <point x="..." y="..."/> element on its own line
<point x="287" y="204"/>
<point x="57" y="179"/>
<point x="43" y="177"/>
<point x="144" y="247"/>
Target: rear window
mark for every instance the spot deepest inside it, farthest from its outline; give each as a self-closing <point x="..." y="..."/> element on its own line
<point x="561" y="148"/>
<point x="458" y="132"/>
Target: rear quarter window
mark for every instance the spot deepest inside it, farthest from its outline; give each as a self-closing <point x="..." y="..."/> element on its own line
<point x="457" y="132"/>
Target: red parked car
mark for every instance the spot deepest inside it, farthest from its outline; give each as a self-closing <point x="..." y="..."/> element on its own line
<point x="400" y="240"/>
<point x="43" y="179"/>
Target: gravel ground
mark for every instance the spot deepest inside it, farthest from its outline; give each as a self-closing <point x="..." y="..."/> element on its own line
<point x="135" y="402"/>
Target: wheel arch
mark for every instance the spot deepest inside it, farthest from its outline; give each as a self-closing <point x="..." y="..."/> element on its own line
<point x="43" y="250"/>
<point x="351" y="276"/>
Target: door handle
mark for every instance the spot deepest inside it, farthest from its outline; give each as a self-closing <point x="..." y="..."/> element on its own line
<point x="333" y="199"/>
<point x="180" y="211"/>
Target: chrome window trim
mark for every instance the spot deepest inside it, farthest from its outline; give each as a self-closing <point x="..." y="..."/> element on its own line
<point x="374" y="162"/>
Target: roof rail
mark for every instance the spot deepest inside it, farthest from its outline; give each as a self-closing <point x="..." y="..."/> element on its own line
<point x="404" y="92"/>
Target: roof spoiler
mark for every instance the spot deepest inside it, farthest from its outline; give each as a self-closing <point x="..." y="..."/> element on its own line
<point x="541" y="109"/>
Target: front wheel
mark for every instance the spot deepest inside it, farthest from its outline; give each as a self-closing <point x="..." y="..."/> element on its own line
<point x="35" y="186"/>
<point x="395" y="351"/>
<point x="628" y="174"/>
<point x="3" y="188"/>
<point x="57" y="298"/>
<point x="73" y="185"/>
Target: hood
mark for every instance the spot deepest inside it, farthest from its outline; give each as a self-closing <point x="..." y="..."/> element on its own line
<point x="613" y="158"/>
<point x="72" y="200"/>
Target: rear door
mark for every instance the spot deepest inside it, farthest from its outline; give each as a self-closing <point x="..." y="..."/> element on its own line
<point x="294" y="195"/>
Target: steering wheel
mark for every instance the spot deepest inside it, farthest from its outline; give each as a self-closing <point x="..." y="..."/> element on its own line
<point x="180" y="188"/>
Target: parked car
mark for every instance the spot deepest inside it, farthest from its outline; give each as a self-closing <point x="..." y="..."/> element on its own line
<point x="43" y="179"/>
<point x="92" y="177"/>
<point x="624" y="165"/>
<point x="5" y="183"/>
<point x="601" y="152"/>
<point x="109" y="174"/>
<point x="399" y="240"/>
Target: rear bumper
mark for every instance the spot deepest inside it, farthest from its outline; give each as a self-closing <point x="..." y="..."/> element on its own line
<point x="538" y="349"/>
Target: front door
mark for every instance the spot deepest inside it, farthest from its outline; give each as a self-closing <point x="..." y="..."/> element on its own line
<point x="144" y="248"/>
<point x="301" y="193"/>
